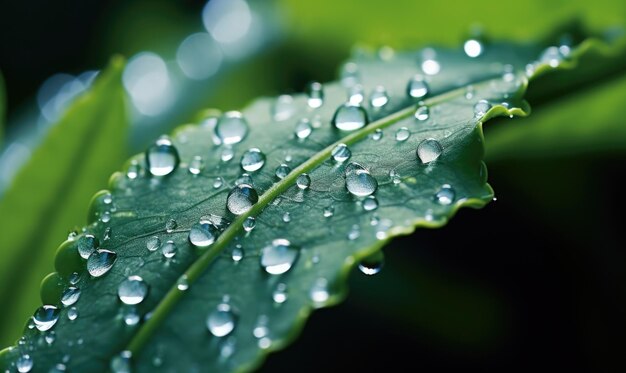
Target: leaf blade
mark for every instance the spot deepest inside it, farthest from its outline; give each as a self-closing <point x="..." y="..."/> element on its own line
<point x="139" y="215"/>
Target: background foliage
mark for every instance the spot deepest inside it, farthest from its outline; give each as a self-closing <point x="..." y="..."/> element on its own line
<point x="537" y="277"/>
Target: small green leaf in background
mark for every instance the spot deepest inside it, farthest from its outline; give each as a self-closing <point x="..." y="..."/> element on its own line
<point x="49" y="194"/>
<point x="227" y="276"/>
<point x="3" y="103"/>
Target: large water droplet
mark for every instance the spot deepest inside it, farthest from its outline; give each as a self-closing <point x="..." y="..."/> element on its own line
<point x="473" y="48"/>
<point x="153" y="243"/>
<point x="422" y="113"/>
<point x="203" y="234"/>
<point x="417" y="87"/>
<point x="121" y="363"/>
<point x="87" y="244"/>
<point x="303" y="129"/>
<point x="278" y="257"/>
<point x="196" y="165"/>
<point x="315" y="92"/>
<point x="162" y="157"/>
<point x="359" y="182"/>
<point x="402" y="134"/>
<point x="222" y="321"/>
<point x="429" y="150"/>
<point x="231" y="128"/>
<point x="445" y="195"/>
<point x="133" y="290"/>
<point x="303" y="181"/>
<point x="70" y="296"/>
<point x="373" y="264"/>
<point x="241" y="199"/>
<point x="252" y="160"/>
<point x="282" y="171"/>
<point x="100" y="262"/>
<point x="45" y="317"/>
<point x="379" y="97"/>
<point x="24" y="363"/>
<point x="481" y="108"/>
<point x="341" y="153"/>
<point x="350" y="117"/>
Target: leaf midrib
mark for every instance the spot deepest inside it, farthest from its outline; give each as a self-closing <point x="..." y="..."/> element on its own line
<point x="196" y="269"/>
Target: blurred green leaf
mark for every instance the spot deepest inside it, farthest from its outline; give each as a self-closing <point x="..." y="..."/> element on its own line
<point x="49" y="194"/>
<point x="217" y="283"/>
<point x="338" y="24"/>
<point x="588" y="121"/>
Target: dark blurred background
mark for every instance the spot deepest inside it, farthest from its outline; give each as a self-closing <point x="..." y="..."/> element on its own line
<point x="536" y="280"/>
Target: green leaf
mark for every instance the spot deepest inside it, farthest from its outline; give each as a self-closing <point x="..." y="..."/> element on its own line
<point x="3" y="104"/>
<point x="328" y="227"/>
<point x="48" y="196"/>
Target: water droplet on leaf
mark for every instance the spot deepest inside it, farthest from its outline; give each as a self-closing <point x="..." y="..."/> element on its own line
<point x="133" y="290"/>
<point x="282" y="171"/>
<point x="100" y="262"/>
<point x="221" y="321"/>
<point x="45" y="317"/>
<point x="481" y="108"/>
<point x="70" y="296"/>
<point x="445" y="195"/>
<point x="422" y="113"/>
<point x="153" y="243"/>
<point x="241" y="199"/>
<point x="303" y="181"/>
<point x="379" y="97"/>
<point x="303" y="129"/>
<point x="359" y="182"/>
<point x="341" y="153"/>
<point x="169" y="249"/>
<point x="203" y="234"/>
<point x="231" y="128"/>
<point x="249" y="223"/>
<point x="196" y="165"/>
<point x="278" y="257"/>
<point x="315" y="92"/>
<point x="417" y="87"/>
<point x="162" y="157"/>
<point x="373" y="264"/>
<point x="402" y="134"/>
<point x="87" y="244"/>
<point x="429" y="150"/>
<point x="252" y="160"/>
<point x="350" y="117"/>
